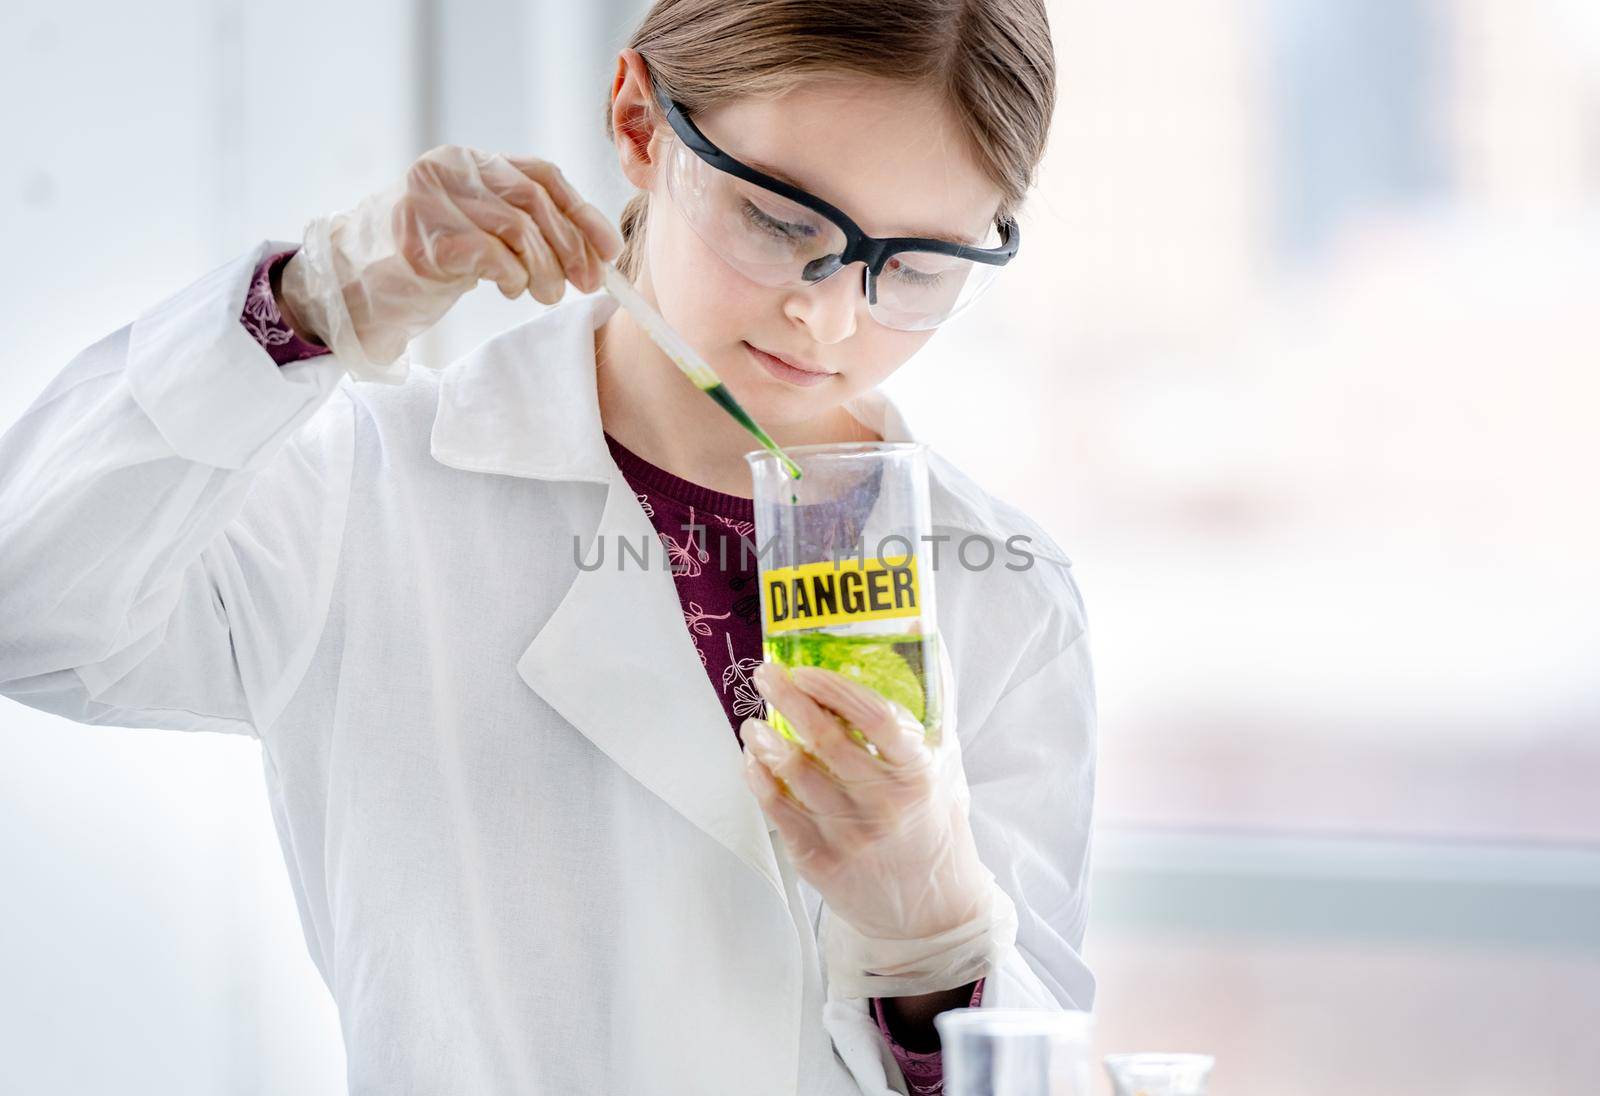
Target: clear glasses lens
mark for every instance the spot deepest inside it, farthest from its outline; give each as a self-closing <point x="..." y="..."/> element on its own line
<point x="920" y="289"/>
<point x="770" y="239"/>
<point x="777" y="243"/>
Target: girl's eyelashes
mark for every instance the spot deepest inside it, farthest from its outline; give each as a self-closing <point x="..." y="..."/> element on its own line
<point x="896" y="268"/>
<point x="772" y="226"/>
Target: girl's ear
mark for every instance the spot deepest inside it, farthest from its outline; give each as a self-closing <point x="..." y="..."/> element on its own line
<point x="633" y="114"/>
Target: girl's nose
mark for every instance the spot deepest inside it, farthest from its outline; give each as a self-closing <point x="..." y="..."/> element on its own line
<point x="828" y="308"/>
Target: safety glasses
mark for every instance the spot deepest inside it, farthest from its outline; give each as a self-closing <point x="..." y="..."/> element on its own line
<point x="779" y="235"/>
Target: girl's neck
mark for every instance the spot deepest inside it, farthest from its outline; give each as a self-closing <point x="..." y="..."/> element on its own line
<point x="653" y="410"/>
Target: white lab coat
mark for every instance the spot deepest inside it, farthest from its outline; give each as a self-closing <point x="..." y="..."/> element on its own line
<point x="508" y="798"/>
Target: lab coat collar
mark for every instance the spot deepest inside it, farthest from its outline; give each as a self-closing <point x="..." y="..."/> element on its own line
<point x="525" y="403"/>
<point x="614" y="659"/>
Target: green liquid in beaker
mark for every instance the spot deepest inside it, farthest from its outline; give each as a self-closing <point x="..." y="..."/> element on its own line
<point x="895" y="665"/>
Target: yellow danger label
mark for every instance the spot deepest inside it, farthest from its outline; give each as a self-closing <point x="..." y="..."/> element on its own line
<point x="816" y="595"/>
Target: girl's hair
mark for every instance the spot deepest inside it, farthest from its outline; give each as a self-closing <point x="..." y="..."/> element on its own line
<point x="991" y="61"/>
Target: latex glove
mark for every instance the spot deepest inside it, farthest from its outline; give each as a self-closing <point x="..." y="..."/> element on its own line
<point x="884" y="839"/>
<point x="369" y="280"/>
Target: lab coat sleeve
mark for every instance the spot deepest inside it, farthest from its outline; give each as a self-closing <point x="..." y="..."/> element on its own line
<point x="171" y="511"/>
<point x="1030" y="769"/>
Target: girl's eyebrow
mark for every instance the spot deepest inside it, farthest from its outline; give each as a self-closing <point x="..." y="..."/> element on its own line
<point x="779" y="173"/>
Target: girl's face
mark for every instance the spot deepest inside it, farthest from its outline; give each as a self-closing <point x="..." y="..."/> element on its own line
<point x="887" y="155"/>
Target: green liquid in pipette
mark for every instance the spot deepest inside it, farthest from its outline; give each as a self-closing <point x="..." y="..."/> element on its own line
<point x="720" y="393"/>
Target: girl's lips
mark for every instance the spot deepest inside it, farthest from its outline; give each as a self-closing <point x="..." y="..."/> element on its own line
<point x="784" y="371"/>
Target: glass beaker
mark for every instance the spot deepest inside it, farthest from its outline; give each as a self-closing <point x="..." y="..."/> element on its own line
<point x="1159" y="1074"/>
<point x="845" y="582"/>
<point x="1014" y="1051"/>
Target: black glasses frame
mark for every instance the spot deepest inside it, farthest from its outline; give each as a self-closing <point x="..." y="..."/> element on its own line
<point x="859" y="247"/>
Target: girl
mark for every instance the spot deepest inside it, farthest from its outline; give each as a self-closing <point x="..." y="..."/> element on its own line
<point x="541" y="839"/>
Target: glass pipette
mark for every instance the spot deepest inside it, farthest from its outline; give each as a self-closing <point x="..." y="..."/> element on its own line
<point x="690" y="363"/>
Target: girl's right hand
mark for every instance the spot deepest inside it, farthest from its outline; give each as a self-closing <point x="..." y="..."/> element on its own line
<point x="369" y="280"/>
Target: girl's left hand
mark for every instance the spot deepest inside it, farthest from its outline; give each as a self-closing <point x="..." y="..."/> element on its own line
<point x="884" y="839"/>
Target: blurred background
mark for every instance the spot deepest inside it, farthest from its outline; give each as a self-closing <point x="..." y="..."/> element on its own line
<point x="1298" y="363"/>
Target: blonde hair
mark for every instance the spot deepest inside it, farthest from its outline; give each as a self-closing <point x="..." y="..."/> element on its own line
<point x="991" y="60"/>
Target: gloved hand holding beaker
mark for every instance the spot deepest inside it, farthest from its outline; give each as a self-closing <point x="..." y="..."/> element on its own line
<point x="884" y="839"/>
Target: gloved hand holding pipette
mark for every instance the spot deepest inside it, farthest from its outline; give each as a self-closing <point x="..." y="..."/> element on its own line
<point x="368" y="280"/>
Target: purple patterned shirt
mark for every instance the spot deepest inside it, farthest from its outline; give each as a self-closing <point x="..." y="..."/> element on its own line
<point x="263" y="320"/>
<point x="701" y="530"/>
